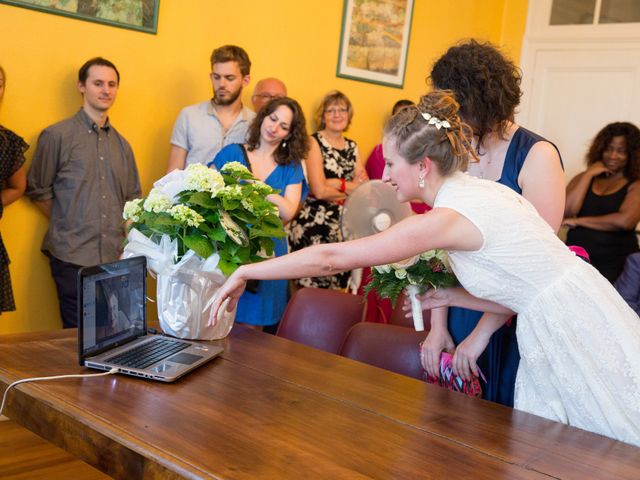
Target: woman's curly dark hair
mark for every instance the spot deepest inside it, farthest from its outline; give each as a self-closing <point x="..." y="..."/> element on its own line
<point x="603" y="139"/>
<point x="295" y="145"/>
<point x="485" y="83"/>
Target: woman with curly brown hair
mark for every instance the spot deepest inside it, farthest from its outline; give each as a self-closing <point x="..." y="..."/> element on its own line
<point x="486" y="84"/>
<point x="277" y="142"/>
<point x="603" y="202"/>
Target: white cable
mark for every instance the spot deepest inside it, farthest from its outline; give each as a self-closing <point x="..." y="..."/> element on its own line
<point x="57" y="377"/>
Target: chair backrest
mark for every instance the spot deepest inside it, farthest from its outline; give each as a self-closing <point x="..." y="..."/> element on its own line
<point x="320" y="318"/>
<point x="398" y="316"/>
<point x="390" y="347"/>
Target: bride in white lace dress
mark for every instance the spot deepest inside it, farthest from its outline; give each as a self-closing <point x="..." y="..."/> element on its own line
<point x="579" y="341"/>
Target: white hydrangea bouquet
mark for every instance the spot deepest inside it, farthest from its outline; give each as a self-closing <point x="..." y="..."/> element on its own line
<point x="414" y="275"/>
<point x="196" y="227"/>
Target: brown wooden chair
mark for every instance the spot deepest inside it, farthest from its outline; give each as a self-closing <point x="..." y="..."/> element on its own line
<point x="391" y="347"/>
<point x="320" y="318"/>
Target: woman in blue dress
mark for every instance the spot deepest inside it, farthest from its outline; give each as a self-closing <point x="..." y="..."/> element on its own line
<point x="277" y="142"/>
<point x="487" y="86"/>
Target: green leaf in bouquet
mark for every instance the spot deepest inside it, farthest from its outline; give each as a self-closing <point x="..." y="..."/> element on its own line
<point x="242" y="255"/>
<point x="267" y="231"/>
<point x="203" y="227"/>
<point x="217" y="233"/>
<point x="415" y="279"/>
<point x="272" y="220"/>
<point x="199" y="244"/>
<point x="171" y="230"/>
<point x="226" y="267"/>
<point x="229" y="204"/>
<point x="237" y="175"/>
<point x="230" y="247"/>
<point x="244" y="216"/>
<point x="162" y="219"/>
<point x="203" y="199"/>
<point x="212" y="217"/>
<point x="391" y="289"/>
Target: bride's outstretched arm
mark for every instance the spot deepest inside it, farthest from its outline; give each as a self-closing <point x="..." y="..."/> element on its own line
<point x="440" y="228"/>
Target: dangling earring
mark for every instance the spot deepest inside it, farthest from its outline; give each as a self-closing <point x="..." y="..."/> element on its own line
<point x="421" y="180"/>
<point x="284" y="143"/>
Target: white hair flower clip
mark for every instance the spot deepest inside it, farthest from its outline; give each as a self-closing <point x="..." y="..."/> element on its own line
<point x="435" y="121"/>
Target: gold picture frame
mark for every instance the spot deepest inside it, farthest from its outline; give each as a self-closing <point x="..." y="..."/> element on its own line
<point x="374" y="41"/>
<point x="141" y="15"/>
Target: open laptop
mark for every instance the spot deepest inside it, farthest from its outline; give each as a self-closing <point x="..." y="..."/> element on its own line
<point x="112" y="330"/>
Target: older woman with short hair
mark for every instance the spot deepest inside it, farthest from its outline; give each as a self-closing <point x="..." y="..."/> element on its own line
<point x="335" y="170"/>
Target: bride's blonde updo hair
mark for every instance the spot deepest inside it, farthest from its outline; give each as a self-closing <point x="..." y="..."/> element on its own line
<point x="415" y="138"/>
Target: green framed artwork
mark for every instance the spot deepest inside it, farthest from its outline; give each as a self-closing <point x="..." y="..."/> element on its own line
<point x="374" y="41"/>
<point x="139" y="15"/>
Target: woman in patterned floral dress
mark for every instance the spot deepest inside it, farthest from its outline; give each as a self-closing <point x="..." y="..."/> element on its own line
<point x="12" y="185"/>
<point x="335" y="170"/>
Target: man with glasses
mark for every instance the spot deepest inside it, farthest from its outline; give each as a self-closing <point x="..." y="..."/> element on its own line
<point x="266" y="90"/>
<point x="202" y="130"/>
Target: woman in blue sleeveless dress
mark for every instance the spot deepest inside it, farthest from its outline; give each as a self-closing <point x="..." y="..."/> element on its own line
<point x="487" y="86"/>
<point x="277" y="142"/>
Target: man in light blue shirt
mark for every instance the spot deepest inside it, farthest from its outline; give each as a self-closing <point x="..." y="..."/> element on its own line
<point x="201" y="130"/>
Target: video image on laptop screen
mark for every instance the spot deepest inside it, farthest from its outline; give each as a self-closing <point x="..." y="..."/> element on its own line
<point x="113" y="306"/>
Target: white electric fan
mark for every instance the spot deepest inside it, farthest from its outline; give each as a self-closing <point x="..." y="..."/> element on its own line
<point x="372" y="208"/>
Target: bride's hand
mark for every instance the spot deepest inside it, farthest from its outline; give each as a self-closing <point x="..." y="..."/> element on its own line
<point x="232" y="289"/>
<point x="437" y="341"/>
<point x="432" y="298"/>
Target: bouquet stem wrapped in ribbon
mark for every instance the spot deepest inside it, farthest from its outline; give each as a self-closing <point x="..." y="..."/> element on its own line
<point x="196" y="227"/>
<point x="414" y="275"/>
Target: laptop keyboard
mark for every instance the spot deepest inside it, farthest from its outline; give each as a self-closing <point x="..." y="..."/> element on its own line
<point x="148" y="353"/>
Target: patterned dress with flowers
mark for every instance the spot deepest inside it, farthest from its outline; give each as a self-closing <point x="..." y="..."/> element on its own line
<point x="319" y="220"/>
<point x="12" y="148"/>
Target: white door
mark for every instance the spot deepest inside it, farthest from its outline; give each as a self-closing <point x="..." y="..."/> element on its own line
<point x="578" y="78"/>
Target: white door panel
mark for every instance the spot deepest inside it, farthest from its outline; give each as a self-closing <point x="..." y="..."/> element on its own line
<point x="574" y="93"/>
<point x="576" y="79"/>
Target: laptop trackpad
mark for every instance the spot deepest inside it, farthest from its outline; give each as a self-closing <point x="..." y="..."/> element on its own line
<point x="184" y="358"/>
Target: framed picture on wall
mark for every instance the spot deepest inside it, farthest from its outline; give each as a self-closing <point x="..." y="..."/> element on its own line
<point x="374" y="41"/>
<point x="139" y="15"/>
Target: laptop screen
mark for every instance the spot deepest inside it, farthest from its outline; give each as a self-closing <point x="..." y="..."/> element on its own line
<point x="112" y="305"/>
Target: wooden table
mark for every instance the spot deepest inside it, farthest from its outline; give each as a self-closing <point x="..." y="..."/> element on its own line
<point x="270" y="408"/>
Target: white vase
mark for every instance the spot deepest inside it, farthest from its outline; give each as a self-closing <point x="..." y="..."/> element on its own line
<point x="184" y="297"/>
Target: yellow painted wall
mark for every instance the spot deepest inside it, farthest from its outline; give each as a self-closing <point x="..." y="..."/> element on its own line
<point x="295" y="40"/>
